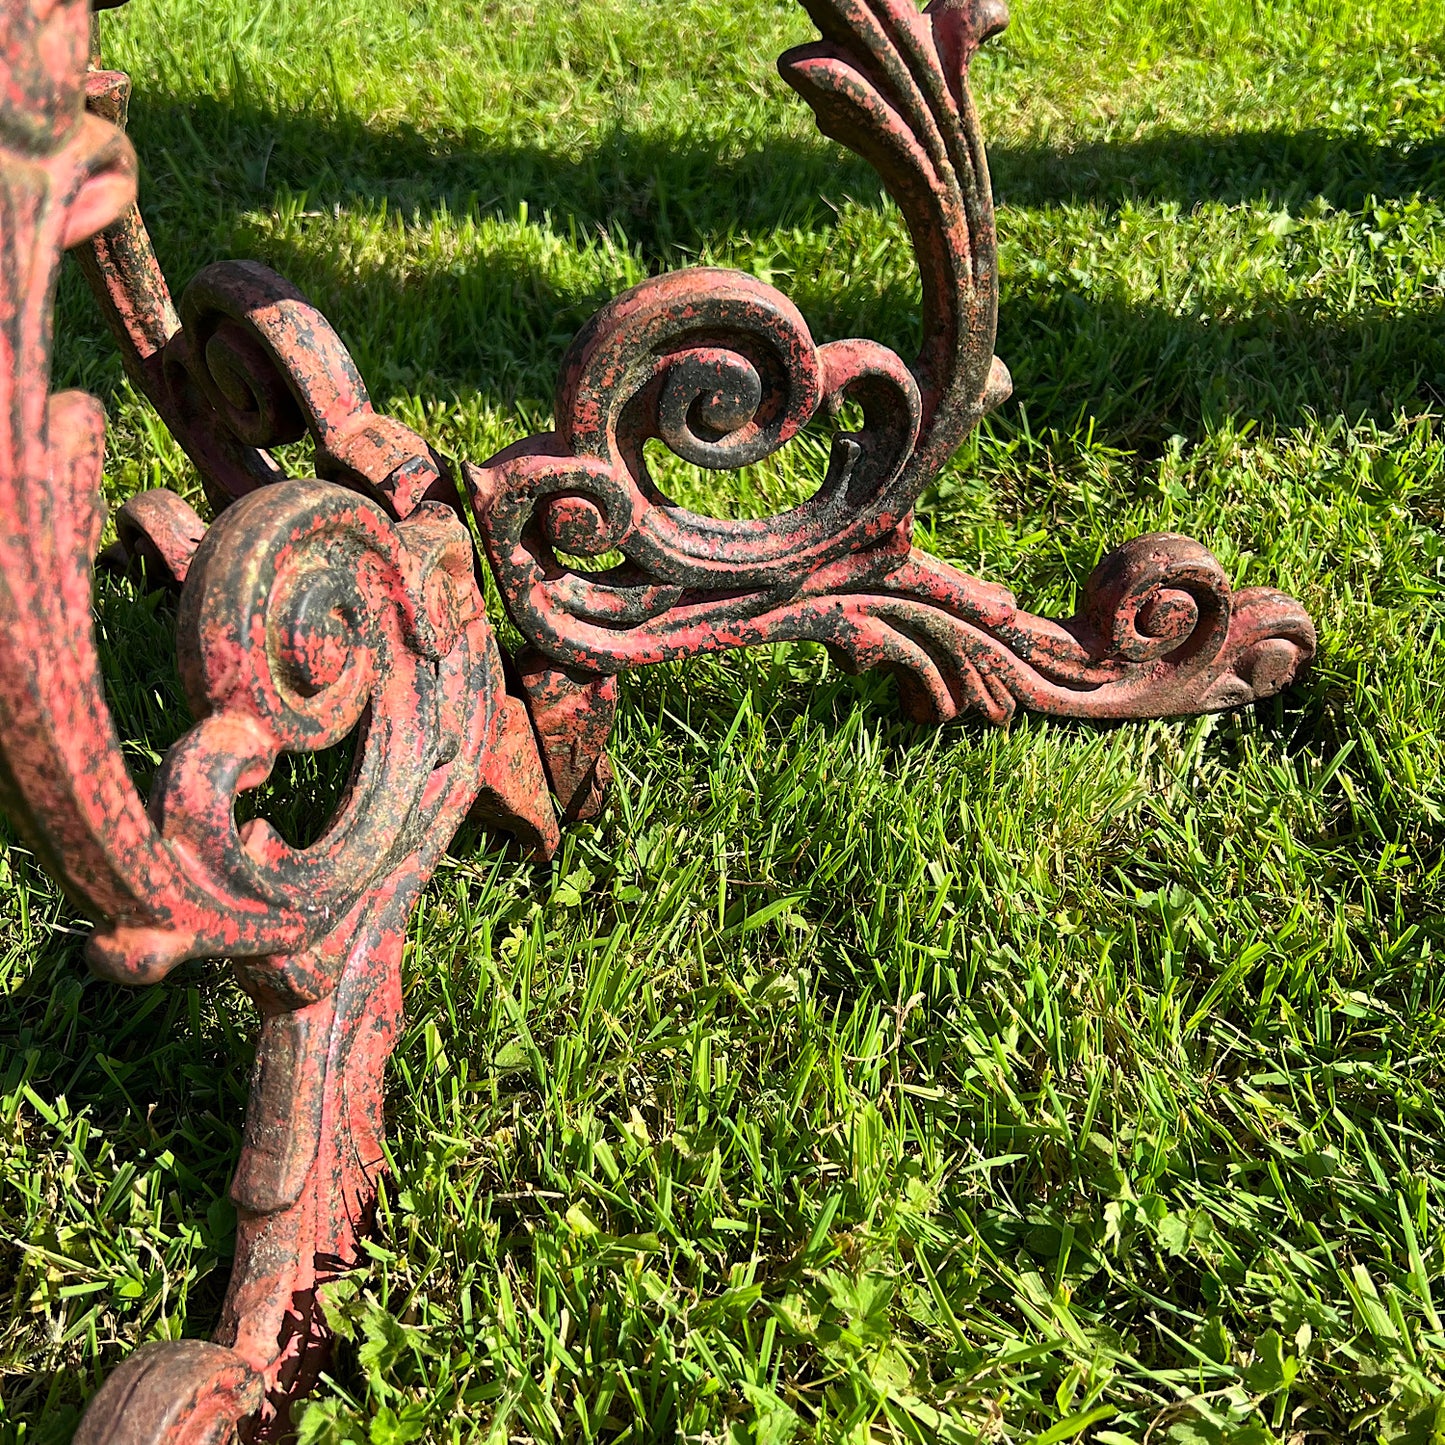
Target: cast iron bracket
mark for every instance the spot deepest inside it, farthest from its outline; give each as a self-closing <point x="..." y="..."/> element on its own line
<point x="346" y="606"/>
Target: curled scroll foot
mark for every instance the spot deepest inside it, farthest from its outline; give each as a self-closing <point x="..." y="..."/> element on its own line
<point x="181" y="1392"/>
<point x="1159" y="633"/>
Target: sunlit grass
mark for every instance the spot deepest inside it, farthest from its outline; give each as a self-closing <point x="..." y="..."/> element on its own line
<point x="845" y="1080"/>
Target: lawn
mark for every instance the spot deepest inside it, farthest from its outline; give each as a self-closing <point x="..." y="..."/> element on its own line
<point x="845" y="1080"/>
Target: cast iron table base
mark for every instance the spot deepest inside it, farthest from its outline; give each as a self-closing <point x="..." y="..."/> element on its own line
<point x="313" y="610"/>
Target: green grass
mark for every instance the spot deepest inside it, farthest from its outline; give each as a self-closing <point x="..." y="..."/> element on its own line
<point x="846" y="1080"/>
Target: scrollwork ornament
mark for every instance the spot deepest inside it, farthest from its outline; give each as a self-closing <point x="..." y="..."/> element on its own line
<point x="722" y="370"/>
<point x="310" y="614"/>
<point x="346" y="608"/>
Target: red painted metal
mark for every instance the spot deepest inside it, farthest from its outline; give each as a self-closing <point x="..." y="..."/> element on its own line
<point x="347" y="606"/>
<point x="722" y="369"/>
<point x="310" y="612"/>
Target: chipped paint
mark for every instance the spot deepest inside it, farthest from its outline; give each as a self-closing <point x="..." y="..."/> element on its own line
<point x="347" y="607"/>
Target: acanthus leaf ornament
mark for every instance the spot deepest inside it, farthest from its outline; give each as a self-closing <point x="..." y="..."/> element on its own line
<point x="346" y="608"/>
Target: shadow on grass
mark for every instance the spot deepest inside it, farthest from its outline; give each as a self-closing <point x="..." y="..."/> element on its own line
<point x="670" y="192"/>
<point x="1283" y="168"/>
<point x="1141" y="373"/>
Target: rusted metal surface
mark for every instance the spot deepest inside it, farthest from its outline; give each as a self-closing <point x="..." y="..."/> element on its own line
<point x="571" y="711"/>
<point x="722" y="369"/>
<point x="346" y="607"/>
<point x="187" y="1390"/>
<point x="311" y="612"/>
<point x="157" y="533"/>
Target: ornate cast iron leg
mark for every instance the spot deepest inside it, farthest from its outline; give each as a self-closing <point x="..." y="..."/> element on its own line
<point x="309" y="613"/>
<point x="722" y="369"/>
<point x="347" y="606"/>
